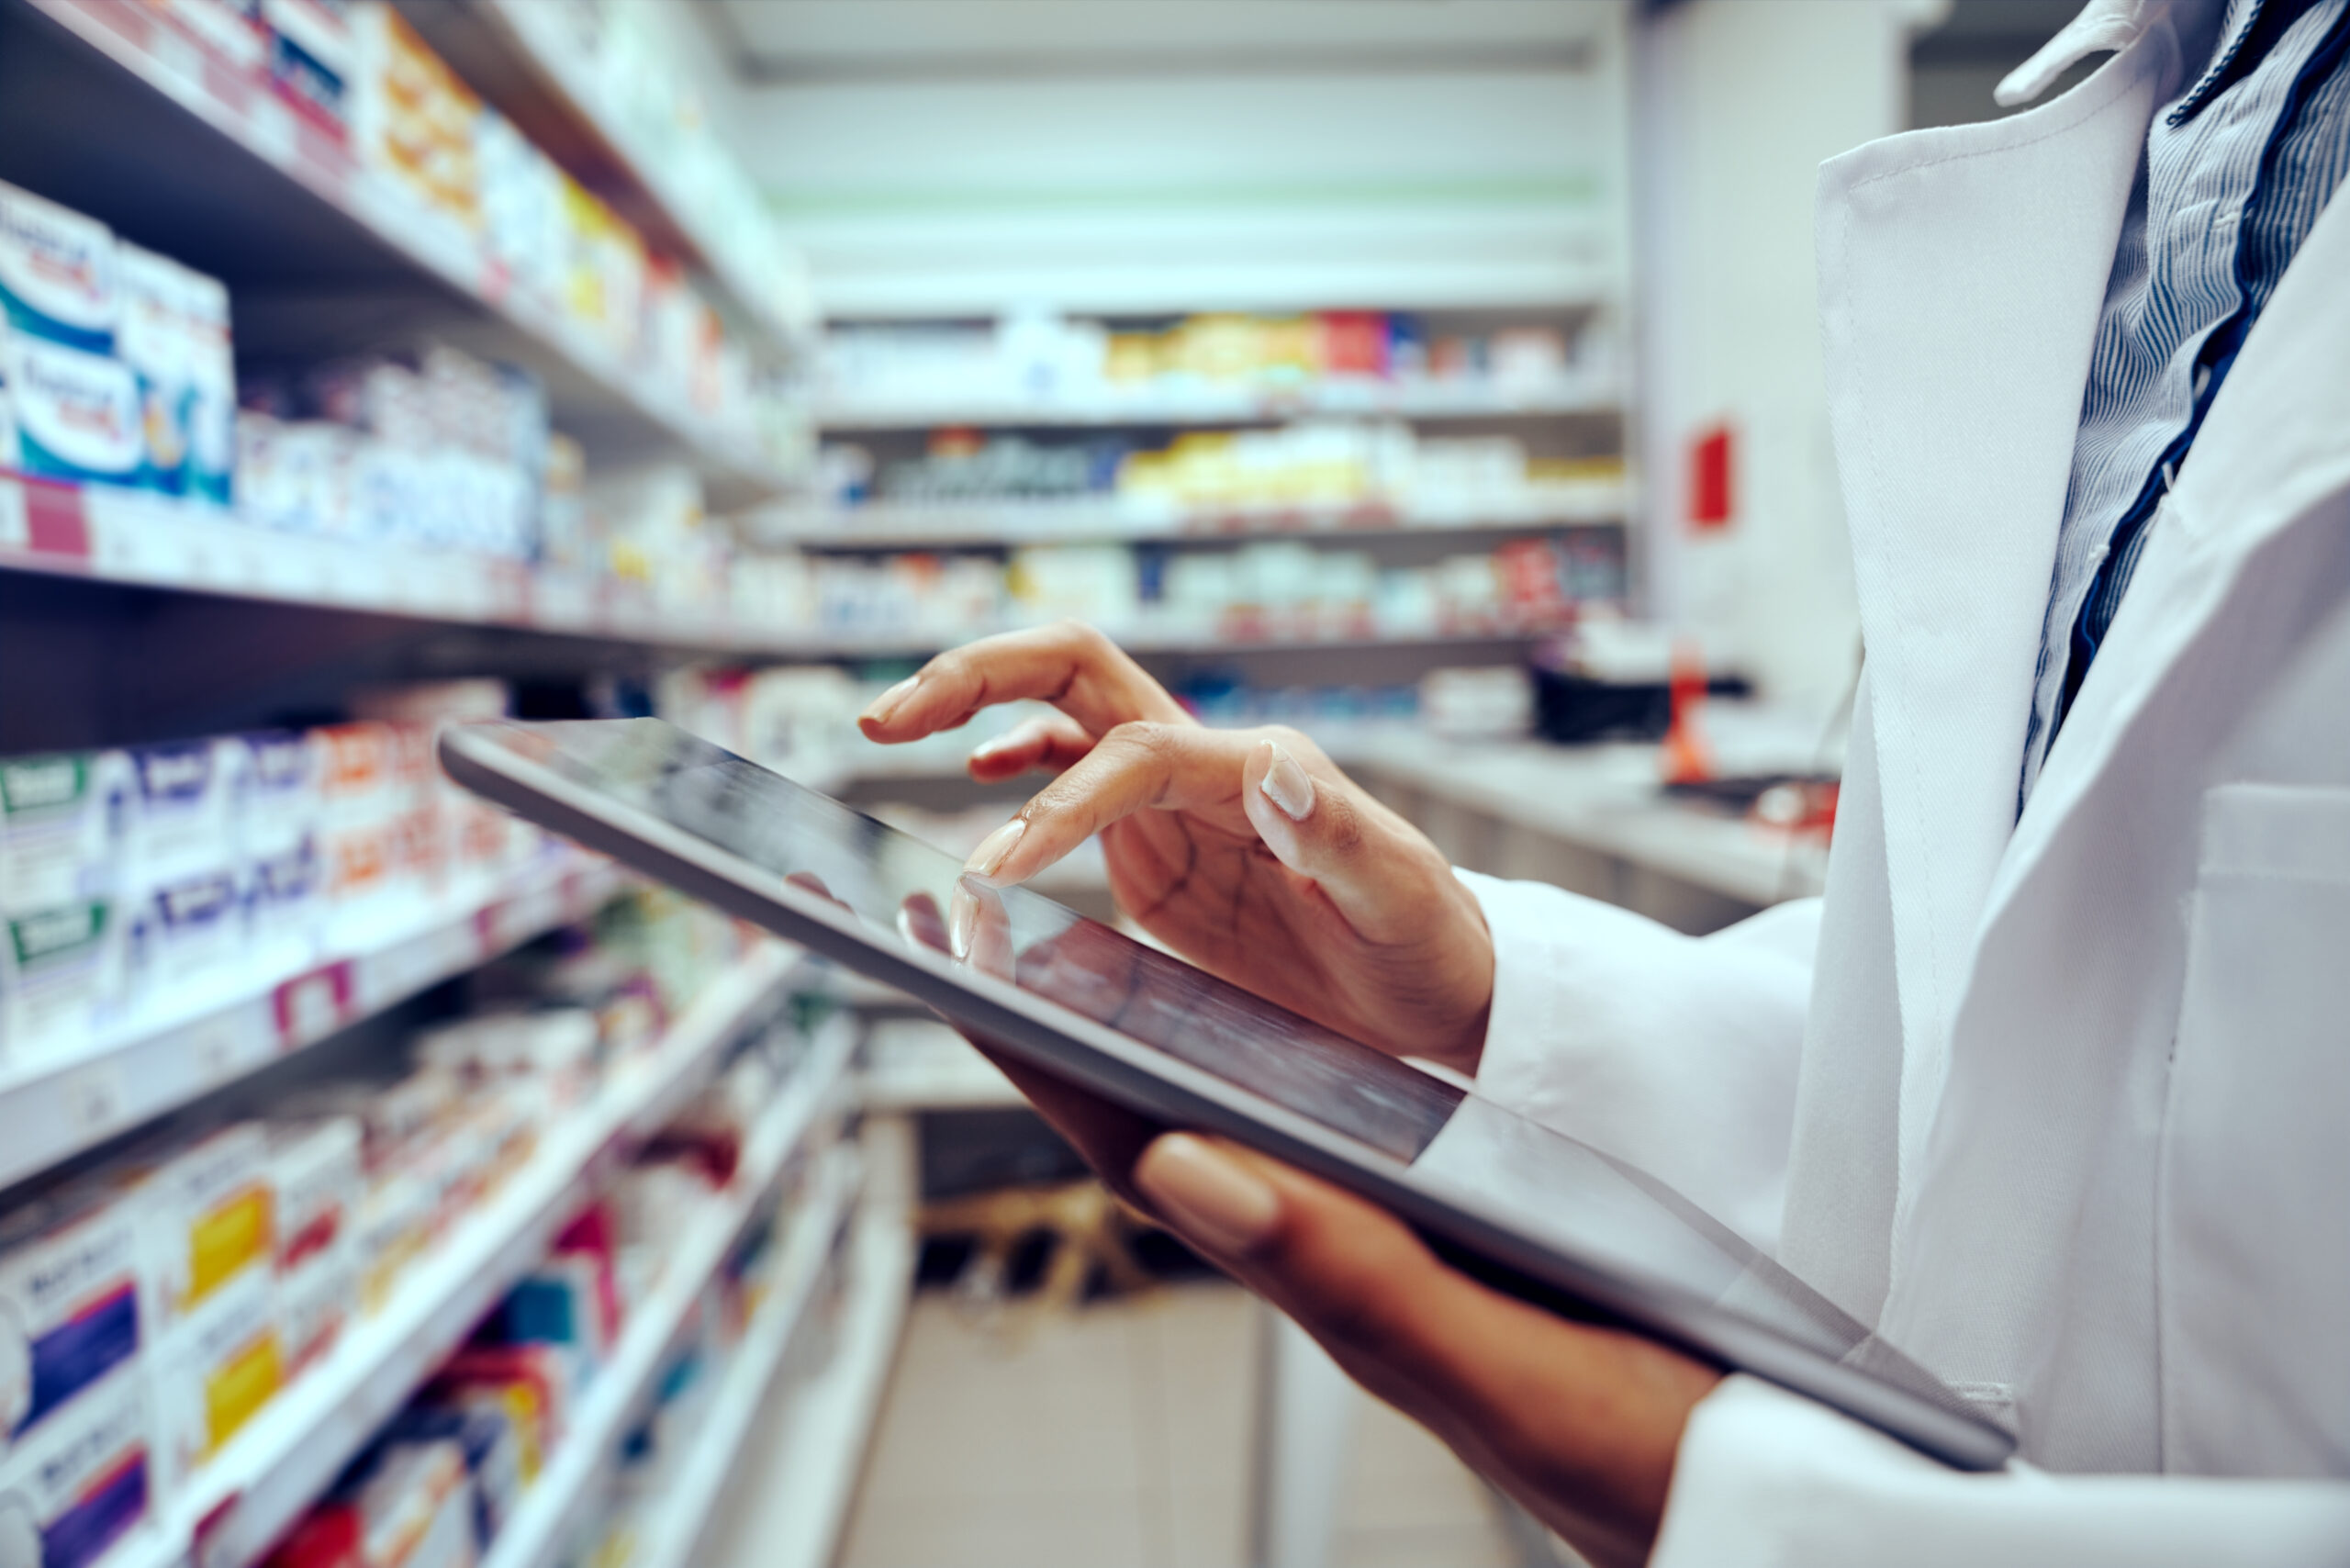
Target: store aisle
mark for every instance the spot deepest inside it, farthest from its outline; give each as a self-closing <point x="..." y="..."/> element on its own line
<point x="1119" y="1437"/>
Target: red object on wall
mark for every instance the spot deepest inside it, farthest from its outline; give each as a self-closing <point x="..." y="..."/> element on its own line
<point x="1711" y="505"/>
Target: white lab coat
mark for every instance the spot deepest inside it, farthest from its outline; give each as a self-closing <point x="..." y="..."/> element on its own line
<point x="2066" y="1114"/>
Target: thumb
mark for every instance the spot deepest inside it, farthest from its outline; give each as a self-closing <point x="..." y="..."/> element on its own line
<point x="1319" y="828"/>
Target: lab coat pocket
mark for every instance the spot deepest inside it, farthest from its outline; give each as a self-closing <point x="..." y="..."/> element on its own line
<point x="2254" y="1201"/>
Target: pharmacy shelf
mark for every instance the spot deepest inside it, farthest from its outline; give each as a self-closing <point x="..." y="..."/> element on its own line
<point x="218" y="1034"/>
<point x="108" y="534"/>
<point x="590" y="385"/>
<point x="671" y="1538"/>
<point x="1105" y="408"/>
<point x="825" y="1425"/>
<point x="540" y="1530"/>
<point x="883" y="525"/>
<point x="272" y="1471"/>
<point x="520" y="55"/>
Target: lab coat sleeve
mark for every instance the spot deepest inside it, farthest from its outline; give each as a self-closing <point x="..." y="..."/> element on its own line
<point x="1677" y="1054"/>
<point x="1765" y="1478"/>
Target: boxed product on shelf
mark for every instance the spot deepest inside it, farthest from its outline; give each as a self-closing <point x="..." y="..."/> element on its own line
<point x="57" y="275"/>
<point x="63" y="817"/>
<point x="412" y="121"/>
<point x="205" y="1211"/>
<point x="75" y="413"/>
<point x="182" y="929"/>
<point x="84" y="1482"/>
<point x="521" y="207"/>
<point x="68" y="1307"/>
<point x="311" y="56"/>
<point x="416" y="1507"/>
<point x="555" y="1049"/>
<point x="61" y="980"/>
<point x="213" y="1372"/>
<point x="151" y="341"/>
<point x="492" y="1447"/>
<point x="319" y="1184"/>
<point x="358" y="814"/>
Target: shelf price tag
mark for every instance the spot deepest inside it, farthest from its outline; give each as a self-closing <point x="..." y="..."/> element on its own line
<point x="311" y="1006"/>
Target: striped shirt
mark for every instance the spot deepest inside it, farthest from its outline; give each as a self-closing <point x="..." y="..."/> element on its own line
<point x="2236" y="170"/>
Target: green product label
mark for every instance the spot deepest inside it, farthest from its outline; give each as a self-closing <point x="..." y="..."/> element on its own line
<point x="55" y="932"/>
<point x="40" y="783"/>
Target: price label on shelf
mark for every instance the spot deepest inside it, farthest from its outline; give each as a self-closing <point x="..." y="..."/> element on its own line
<point x="96" y="1098"/>
<point x="311" y="1006"/>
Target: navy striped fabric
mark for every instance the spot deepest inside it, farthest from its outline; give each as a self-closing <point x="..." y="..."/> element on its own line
<point x="2236" y="171"/>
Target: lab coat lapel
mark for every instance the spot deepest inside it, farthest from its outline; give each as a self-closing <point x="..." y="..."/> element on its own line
<point x="1962" y="273"/>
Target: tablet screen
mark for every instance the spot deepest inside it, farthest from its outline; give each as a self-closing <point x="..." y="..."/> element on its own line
<point x="1476" y="1158"/>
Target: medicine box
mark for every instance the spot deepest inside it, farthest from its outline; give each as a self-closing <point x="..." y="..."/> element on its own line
<point x="69" y="1308"/>
<point x="184" y="800"/>
<point x="212" y="388"/>
<point x="315" y="1170"/>
<point x="76" y="413"/>
<point x="206" y="1217"/>
<point x="57" y="275"/>
<point x="61" y="980"/>
<point x="151" y="338"/>
<point x="181" y="930"/>
<point x="84" y="1481"/>
<point x="213" y="1372"/>
<point x="62" y="824"/>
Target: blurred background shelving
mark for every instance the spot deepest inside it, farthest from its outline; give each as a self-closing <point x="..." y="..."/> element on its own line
<point x="391" y="364"/>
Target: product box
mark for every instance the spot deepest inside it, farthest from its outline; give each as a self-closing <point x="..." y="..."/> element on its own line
<point x="151" y="338"/>
<point x="57" y="275"/>
<point x="416" y="1506"/>
<point x="213" y="1372"/>
<point x="61" y="978"/>
<point x="310" y="56"/>
<point x="212" y="388"/>
<point x="230" y="28"/>
<point x="181" y="932"/>
<point x="76" y="413"/>
<point x="207" y="1207"/>
<point x="62" y="818"/>
<point x="184" y="797"/>
<point x="82" y="1481"/>
<point x="281" y="805"/>
<point x="358" y="813"/>
<point x="315" y="1174"/>
<point x="69" y="1308"/>
<point x="492" y="1449"/>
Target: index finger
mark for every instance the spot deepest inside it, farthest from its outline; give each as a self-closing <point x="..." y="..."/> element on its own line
<point x="1075" y="669"/>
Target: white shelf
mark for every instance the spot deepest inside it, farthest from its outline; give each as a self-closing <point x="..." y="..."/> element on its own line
<point x="104" y="533"/>
<point x="271" y="1472"/>
<point x="670" y="1539"/>
<point x="795" y="1518"/>
<point x="539" y="1530"/>
<point x="1110" y="407"/>
<point x="880" y="525"/>
<point x="51" y="1111"/>
<point x="578" y="368"/>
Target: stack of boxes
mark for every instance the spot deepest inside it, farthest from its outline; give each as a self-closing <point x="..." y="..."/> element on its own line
<point x="115" y="363"/>
<point x="139" y="886"/>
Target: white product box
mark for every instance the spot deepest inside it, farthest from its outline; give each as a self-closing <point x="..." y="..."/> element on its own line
<point x="319" y="1182"/>
<point x="358" y="813"/>
<point x="151" y="338"/>
<point x="61" y="980"/>
<point x="181" y="932"/>
<point x="69" y="1309"/>
<point x="83" y="1482"/>
<point x="280" y="809"/>
<point x="76" y="413"/>
<point x="555" y="1048"/>
<point x="315" y="1303"/>
<point x="62" y="818"/>
<point x="206" y="1217"/>
<point x="57" y="273"/>
<point x="418" y="1508"/>
<point x="184" y="804"/>
<point x="212" y="1372"/>
<point x="284" y="903"/>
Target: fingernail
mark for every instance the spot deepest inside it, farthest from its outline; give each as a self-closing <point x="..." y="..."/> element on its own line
<point x="1207" y="1193"/>
<point x="1286" y="784"/>
<point x="878" y="712"/>
<point x="989" y="748"/>
<point x="962" y="921"/>
<point x="995" y="849"/>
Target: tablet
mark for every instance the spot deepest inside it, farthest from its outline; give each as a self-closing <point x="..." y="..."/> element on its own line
<point x="1526" y="1210"/>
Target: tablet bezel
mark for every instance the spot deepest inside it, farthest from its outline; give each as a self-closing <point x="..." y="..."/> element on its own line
<point x="1167" y="1089"/>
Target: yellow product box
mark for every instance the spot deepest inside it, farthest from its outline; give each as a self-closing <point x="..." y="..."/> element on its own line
<point x="207" y="1217"/>
<point x="213" y="1373"/>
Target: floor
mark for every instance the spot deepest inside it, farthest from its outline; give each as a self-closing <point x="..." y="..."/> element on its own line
<point x="1118" y="1437"/>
